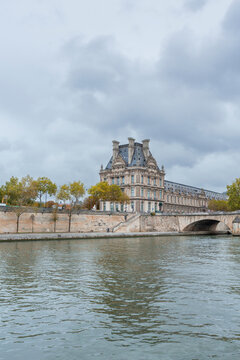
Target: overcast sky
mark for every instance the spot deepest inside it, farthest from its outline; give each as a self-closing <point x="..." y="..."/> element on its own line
<point x="74" y="75"/>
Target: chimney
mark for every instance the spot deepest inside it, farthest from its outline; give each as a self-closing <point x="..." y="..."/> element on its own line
<point x="146" y="148"/>
<point x="115" y="149"/>
<point x="130" y="149"/>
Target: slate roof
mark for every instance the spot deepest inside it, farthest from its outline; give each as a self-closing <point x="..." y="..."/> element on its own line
<point x="181" y="188"/>
<point x="138" y="158"/>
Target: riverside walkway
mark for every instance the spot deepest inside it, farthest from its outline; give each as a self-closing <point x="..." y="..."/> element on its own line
<point x="82" y="236"/>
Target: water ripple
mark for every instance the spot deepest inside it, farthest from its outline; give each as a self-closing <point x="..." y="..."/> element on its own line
<point x="155" y="298"/>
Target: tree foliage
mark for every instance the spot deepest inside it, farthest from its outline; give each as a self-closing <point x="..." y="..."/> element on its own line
<point x="76" y="190"/>
<point x="105" y="192"/>
<point x="99" y="191"/>
<point x="19" y="192"/>
<point x="25" y="191"/>
<point x="114" y="193"/>
<point x="218" y="205"/>
<point x="12" y="191"/>
<point x="233" y="192"/>
<point x="28" y="192"/>
<point x="45" y="187"/>
<point x="89" y="202"/>
<point x="124" y="198"/>
<point x="2" y="194"/>
<point x="64" y="193"/>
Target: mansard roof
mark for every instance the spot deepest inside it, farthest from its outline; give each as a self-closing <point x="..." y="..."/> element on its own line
<point x="138" y="158"/>
<point x="192" y="190"/>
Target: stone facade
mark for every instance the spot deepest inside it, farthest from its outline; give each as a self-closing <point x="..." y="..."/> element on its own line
<point x="134" y="169"/>
<point x="182" y="200"/>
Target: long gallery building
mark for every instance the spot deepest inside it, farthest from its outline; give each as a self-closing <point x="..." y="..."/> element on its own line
<point x="135" y="170"/>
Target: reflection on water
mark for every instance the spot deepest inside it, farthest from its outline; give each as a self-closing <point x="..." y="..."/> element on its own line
<point x="152" y="298"/>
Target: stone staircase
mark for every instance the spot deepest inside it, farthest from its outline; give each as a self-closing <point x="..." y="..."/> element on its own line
<point x="130" y="225"/>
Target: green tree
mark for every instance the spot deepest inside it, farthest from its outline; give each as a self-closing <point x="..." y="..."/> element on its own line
<point x="19" y="210"/>
<point x="114" y="193"/>
<point x="124" y="199"/>
<point x="100" y="191"/>
<point x="64" y="193"/>
<point x="89" y="203"/>
<point x="76" y="190"/>
<point x="28" y="191"/>
<point x="2" y="194"/>
<point x="233" y="192"/>
<point x="20" y="193"/>
<point x="218" y="205"/>
<point x="45" y="187"/>
<point x="103" y="191"/>
<point x="12" y="191"/>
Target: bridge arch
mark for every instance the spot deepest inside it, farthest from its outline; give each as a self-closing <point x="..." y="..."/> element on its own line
<point x="208" y="225"/>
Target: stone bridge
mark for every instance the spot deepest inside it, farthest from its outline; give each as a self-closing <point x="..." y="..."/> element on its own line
<point x="198" y="222"/>
<point x="209" y="222"/>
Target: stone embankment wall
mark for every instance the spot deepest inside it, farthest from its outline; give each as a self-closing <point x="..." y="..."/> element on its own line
<point x="159" y="223"/>
<point x="148" y="223"/>
<point x="32" y="222"/>
<point x="42" y="221"/>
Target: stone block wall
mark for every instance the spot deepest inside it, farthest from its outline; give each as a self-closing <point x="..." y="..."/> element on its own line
<point x="159" y="223"/>
<point x="43" y="222"/>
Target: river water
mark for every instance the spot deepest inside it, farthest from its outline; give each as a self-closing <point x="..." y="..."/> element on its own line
<point x="139" y="298"/>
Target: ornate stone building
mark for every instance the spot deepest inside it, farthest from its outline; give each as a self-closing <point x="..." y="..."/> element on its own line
<point x="135" y="170"/>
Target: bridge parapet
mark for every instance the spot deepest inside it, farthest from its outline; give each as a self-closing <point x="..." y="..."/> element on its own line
<point x="211" y="221"/>
<point x="197" y="222"/>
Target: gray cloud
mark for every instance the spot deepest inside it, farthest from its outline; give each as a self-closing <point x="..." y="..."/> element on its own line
<point x="231" y="20"/>
<point x="195" y="5"/>
<point x="59" y="119"/>
<point x="184" y="98"/>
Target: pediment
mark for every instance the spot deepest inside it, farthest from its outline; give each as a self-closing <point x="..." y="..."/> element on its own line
<point x="151" y="162"/>
<point x="118" y="162"/>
